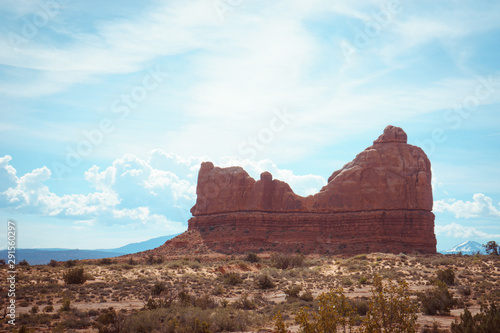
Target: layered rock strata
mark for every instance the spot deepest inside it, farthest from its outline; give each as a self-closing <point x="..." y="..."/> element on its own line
<point x="379" y="202"/>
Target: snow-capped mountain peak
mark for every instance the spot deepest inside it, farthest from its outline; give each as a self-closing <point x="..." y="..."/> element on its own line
<point x="468" y="247"/>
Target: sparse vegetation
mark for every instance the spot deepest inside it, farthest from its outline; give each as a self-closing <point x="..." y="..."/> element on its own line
<point x="233" y="293"/>
<point x="75" y="276"/>
<point x="439" y="300"/>
<point x="285" y="260"/>
<point x="488" y="320"/>
<point x="447" y="276"/>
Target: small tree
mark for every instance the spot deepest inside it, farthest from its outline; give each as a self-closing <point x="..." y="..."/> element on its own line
<point x="439" y="300"/>
<point x="391" y="309"/>
<point x="486" y="321"/>
<point x="334" y="313"/>
<point x="492" y="248"/>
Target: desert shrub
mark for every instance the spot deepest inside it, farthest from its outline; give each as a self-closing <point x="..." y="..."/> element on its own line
<point x="105" y="262"/>
<point x="23" y="263"/>
<point x="432" y="329"/>
<point x="252" y="257"/>
<point x="464" y="290"/>
<point x="244" y="303"/>
<point x="218" y="290"/>
<point x="285" y="260"/>
<point x="334" y="312"/>
<point x="232" y="279"/>
<point x="108" y="321"/>
<point x="363" y="280"/>
<point x="439" y="300"/>
<point x="204" y="302"/>
<point x="360" y="305"/>
<point x="48" y="308"/>
<point x="2" y="262"/>
<point x="488" y="320"/>
<point x="306" y="296"/>
<point x="447" y="276"/>
<point x="391" y="308"/>
<point x="34" y="319"/>
<point x="184" y="298"/>
<point x="153" y="260"/>
<point x="361" y="257"/>
<point x="34" y="309"/>
<point x="188" y="319"/>
<point x="66" y="304"/>
<point x="52" y="263"/>
<point x="293" y="292"/>
<point x="70" y="263"/>
<point x="73" y="322"/>
<point x="279" y="324"/>
<point x="131" y="261"/>
<point x="75" y="276"/>
<point x="346" y="281"/>
<point x="158" y="288"/>
<point x="264" y="281"/>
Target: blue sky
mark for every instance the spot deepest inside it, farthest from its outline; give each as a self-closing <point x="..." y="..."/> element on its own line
<point x="109" y="108"/>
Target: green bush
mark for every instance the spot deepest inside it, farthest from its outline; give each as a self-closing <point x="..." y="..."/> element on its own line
<point x="75" y="276"/>
<point x="390" y="309"/>
<point x="66" y="304"/>
<point x="488" y="320"/>
<point x="447" y="276"/>
<point x="439" y="300"/>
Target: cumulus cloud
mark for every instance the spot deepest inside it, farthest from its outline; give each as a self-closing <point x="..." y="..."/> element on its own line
<point x="132" y="191"/>
<point x="458" y="231"/>
<point x="481" y="205"/>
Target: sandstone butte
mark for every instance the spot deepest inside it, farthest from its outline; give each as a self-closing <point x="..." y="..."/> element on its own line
<point x="379" y="202"/>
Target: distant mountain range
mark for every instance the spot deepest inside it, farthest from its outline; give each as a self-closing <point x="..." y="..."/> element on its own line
<point x="469" y="247"/>
<point x="44" y="256"/>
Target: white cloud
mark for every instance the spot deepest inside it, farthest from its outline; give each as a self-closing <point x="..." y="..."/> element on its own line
<point x="458" y="231"/>
<point x="158" y="190"/>
<point x="481" y="205"/>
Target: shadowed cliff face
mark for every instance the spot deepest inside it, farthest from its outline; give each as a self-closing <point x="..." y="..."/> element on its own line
<point x="381" y="201"/>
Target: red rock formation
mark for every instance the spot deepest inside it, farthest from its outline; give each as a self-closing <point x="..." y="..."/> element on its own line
<point x="381" y="201"/>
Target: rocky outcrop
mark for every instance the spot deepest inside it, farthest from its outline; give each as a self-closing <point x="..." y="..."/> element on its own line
<point x="379" y="202"/>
